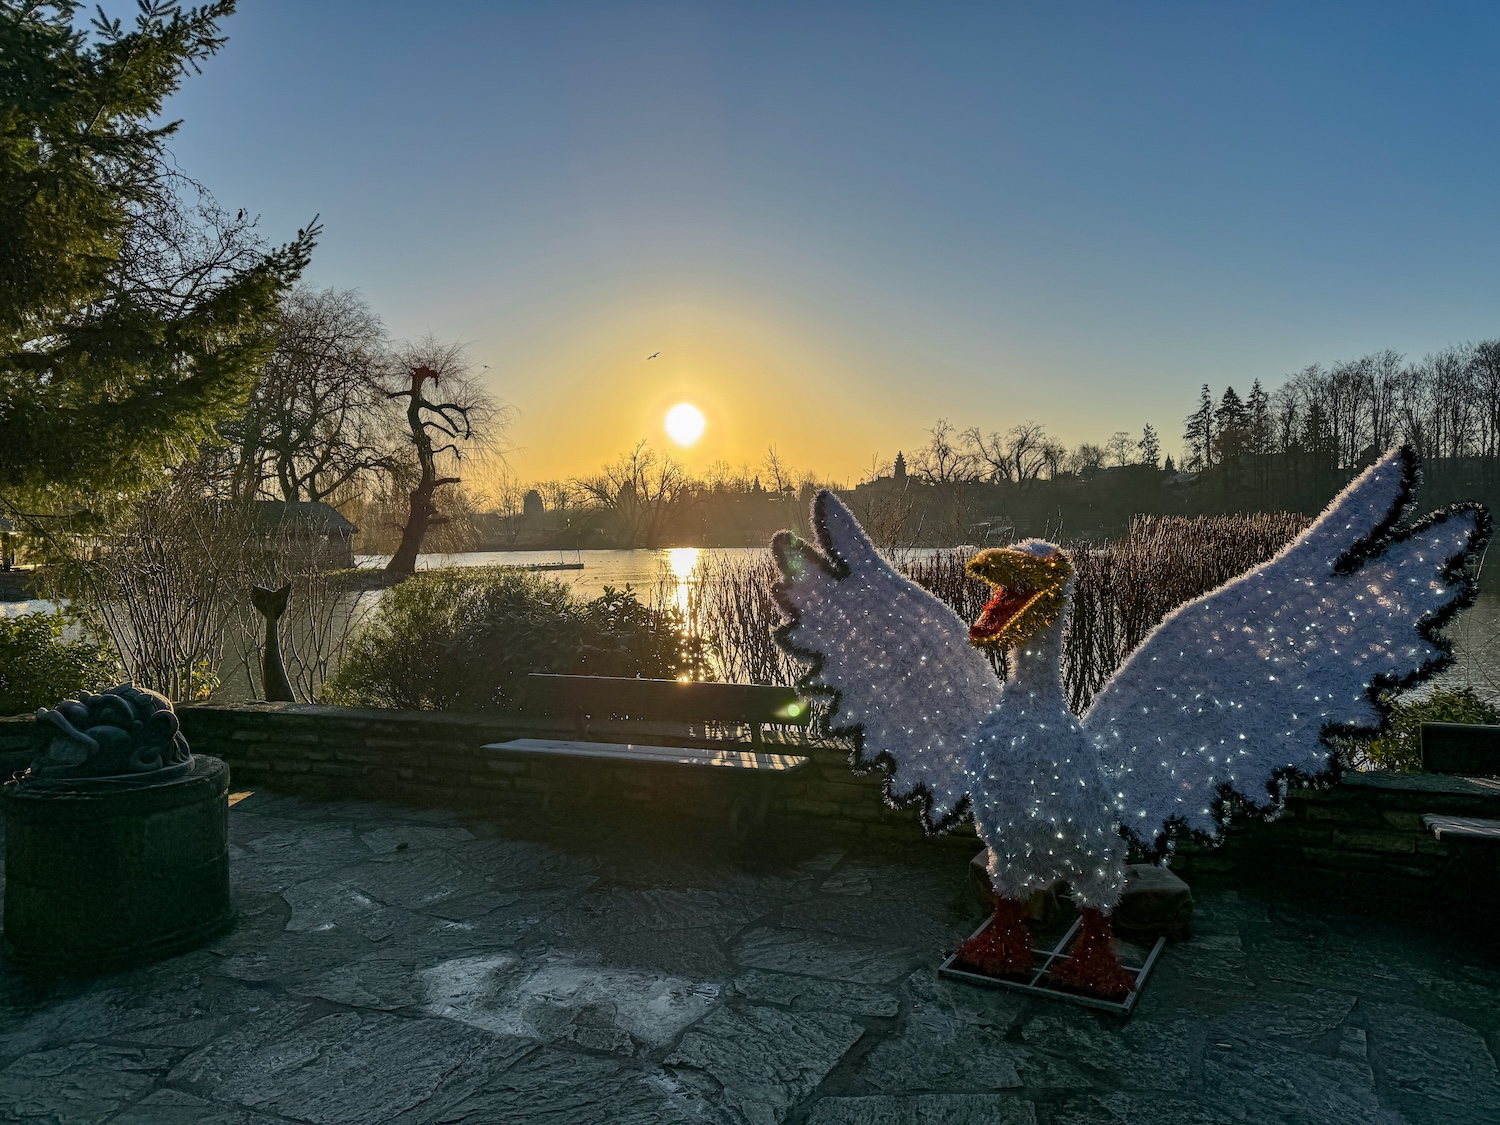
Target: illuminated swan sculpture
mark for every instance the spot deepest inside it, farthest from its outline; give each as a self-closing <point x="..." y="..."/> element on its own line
<point x="1226" y="696"/>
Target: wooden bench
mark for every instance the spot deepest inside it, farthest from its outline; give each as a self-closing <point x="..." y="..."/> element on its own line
<point x="1465" y="749"/>
<point x="619" y="702"/>
<point x="1462" y="828"/>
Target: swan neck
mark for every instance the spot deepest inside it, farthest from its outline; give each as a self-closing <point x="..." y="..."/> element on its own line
<point x="1037" y="664"/>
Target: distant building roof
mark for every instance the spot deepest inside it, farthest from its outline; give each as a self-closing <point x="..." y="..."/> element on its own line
<point x="313" y="515"/>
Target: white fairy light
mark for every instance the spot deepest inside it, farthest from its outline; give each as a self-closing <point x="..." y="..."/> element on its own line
<point x="1235" y="668"/>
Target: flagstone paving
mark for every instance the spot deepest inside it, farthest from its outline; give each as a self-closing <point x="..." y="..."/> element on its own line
<point x="415" y="966"/>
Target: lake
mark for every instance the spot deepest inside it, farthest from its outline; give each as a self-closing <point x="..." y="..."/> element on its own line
<point x="1475" y="634"/>
<point x="641" y="570"/>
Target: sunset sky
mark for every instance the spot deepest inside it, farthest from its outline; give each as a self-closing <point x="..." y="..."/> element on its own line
<point x="839" y="222"/>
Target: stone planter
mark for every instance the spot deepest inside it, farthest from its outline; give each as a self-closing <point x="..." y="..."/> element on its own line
<point x="102" y="874"/>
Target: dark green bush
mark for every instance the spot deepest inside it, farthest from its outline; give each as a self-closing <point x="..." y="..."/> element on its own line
<point x="1400" y="748"/>
<point x="464" y="640"/>
<point x="38" y="668"/>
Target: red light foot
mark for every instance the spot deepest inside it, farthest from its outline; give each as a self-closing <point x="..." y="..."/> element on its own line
<point x="1093" y="967"/>
<point x="1004" y="948"/>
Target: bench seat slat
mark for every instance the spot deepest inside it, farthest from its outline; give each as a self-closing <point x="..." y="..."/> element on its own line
<point x="668" y="755"/>
<point x="687" y="701"/>
<point x="1467" y="827"/>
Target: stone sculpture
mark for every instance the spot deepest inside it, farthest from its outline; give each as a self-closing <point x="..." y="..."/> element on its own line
<point x="126" y="731"/>
<point x="117" y="839"/>
<point x="272" y="604"/>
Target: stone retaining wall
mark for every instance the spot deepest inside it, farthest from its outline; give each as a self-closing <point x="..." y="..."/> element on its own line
<point x="437" y="759"/>
<point x="1364" y="835"/>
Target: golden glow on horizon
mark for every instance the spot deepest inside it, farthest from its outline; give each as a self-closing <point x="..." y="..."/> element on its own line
<point x="684" y="423"/>
<point x="760" y="371"/>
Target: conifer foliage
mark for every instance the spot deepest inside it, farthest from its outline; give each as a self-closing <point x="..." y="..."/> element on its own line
<point x="133" y="311"/>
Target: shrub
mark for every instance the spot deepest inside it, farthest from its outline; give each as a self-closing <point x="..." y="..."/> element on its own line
<point x="622" y="636"/>
<point x="38" y="668"/>
<point x="1400" y="748"/>
<point x="464" y="639"/>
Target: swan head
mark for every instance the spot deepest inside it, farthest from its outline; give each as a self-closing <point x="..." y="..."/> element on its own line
<point x="1030" y="581"/>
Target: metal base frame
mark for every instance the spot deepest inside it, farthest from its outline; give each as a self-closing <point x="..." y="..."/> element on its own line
<point x="1037" y="986"/>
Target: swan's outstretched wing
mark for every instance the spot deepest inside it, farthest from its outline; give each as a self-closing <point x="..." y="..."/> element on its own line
<point x="896" y="661"/>
<point x="1241" y="684"/>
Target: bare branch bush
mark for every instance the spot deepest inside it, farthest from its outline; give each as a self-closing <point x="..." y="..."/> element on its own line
<point x="163" y="584"/>
<point x="730" y="607"/>
<point x="169" y="584"/>
<point x="886" y="516"/>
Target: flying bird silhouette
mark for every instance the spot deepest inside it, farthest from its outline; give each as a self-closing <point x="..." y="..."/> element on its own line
<point x="653" y="355"/>
<point x="1228" y="694"/>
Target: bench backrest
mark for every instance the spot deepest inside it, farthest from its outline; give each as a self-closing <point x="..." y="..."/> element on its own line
<point x="1466" y="749"/>
<point x="622" y="697"/>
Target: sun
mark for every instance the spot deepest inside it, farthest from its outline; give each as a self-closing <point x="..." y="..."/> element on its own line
<point x="684" y="423"/>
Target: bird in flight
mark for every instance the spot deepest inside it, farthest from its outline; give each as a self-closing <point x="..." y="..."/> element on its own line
<point x="653" y="355"/>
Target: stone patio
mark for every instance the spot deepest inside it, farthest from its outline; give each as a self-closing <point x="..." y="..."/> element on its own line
<point x="406" y="965"/>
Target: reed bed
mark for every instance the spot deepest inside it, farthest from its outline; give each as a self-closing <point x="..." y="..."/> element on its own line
<point x="728" y="605"/>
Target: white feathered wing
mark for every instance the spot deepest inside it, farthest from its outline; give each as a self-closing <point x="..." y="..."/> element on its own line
<point x="896" y="661"/>
<point x="1241" y="684"/>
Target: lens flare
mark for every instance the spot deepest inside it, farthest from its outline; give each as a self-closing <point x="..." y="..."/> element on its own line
<point x="684" y="423"/>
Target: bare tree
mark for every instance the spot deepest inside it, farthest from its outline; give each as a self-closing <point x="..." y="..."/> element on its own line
<point x="639" y="492"/>
<point x="944" y="460"/>
<point x="1019" y="455"/>
<point x="1086" y="460"/>
<point x="1286" y="417"/>
<point x="1053" y="456"/>
<point x="440" y="432"/>
<point x="878" y="469"/>
<point x="720" y="476"/>
<point x="1119" y="447"/>
<point x="778" y="474"/>
<point x="1453" y="403"/>
<point x="1486" y="377"/>
<point x="1385" y="372"/>
<point x="317" y="416"/>
<point x="557" y="495"/>
<point x="989" y="452"/>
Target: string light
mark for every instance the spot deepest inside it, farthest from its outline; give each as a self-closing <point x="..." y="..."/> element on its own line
<point x="1348" y="608"/>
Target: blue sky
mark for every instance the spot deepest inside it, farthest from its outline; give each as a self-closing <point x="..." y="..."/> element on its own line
<point x="839" y="222"/>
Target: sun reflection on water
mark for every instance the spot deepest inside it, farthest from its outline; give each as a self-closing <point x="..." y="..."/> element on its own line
<point x="681" y="562"/>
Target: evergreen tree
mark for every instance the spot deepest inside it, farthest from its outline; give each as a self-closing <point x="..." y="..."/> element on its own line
<point x="1169" y="467"/>
<point x="1258" y="416"/>
<point x="1198" y="433"/>
<point x="1150" y="447"/>
<point x="1231" y="427"/>
<point x="1317" y="434"/>
<point x="133" y="313"/>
